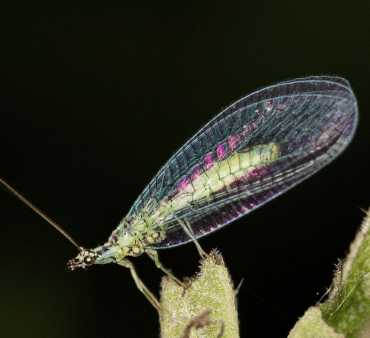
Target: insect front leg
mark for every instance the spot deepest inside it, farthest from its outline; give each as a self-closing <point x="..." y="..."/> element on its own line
<point x="153" y="254"/>
<point x="140" y="285"/>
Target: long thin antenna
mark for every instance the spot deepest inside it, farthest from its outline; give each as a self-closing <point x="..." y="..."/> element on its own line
<point x="38" y="211"/>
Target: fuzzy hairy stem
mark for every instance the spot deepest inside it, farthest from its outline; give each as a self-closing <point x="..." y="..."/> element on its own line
<point x="207" y="308"/>
<point x="346" y="312"/>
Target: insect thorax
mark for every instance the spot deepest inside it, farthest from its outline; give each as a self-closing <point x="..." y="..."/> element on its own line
<point x="134" y="242"/>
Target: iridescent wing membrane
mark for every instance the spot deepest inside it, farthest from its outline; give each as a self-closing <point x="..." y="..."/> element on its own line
<point x="251" y="152"/>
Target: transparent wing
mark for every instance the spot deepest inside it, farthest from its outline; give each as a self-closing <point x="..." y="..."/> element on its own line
<point x="251" y="152"/>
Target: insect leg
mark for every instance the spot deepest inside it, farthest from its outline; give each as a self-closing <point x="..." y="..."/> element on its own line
<point x="140" y="285"/>
<point x="153" y="254"/>
<point x="187" y="227"/>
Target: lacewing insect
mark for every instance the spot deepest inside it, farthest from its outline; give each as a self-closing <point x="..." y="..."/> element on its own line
<point x="254" y="150"/>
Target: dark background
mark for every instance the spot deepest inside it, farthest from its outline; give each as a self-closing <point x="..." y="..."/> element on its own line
<point x="95" y="97"/>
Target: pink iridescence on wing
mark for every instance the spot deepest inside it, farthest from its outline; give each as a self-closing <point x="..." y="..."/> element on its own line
<point x="232" y="142"/>
<point x="196" y="172"/>
<point x="220" y="152"/>
<point x="255" y="174"/>
<point x="208" y="161"/>
<point x="183" y="184"/>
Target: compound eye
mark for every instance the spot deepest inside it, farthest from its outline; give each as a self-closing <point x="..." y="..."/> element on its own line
<point x="88" y="260"/>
